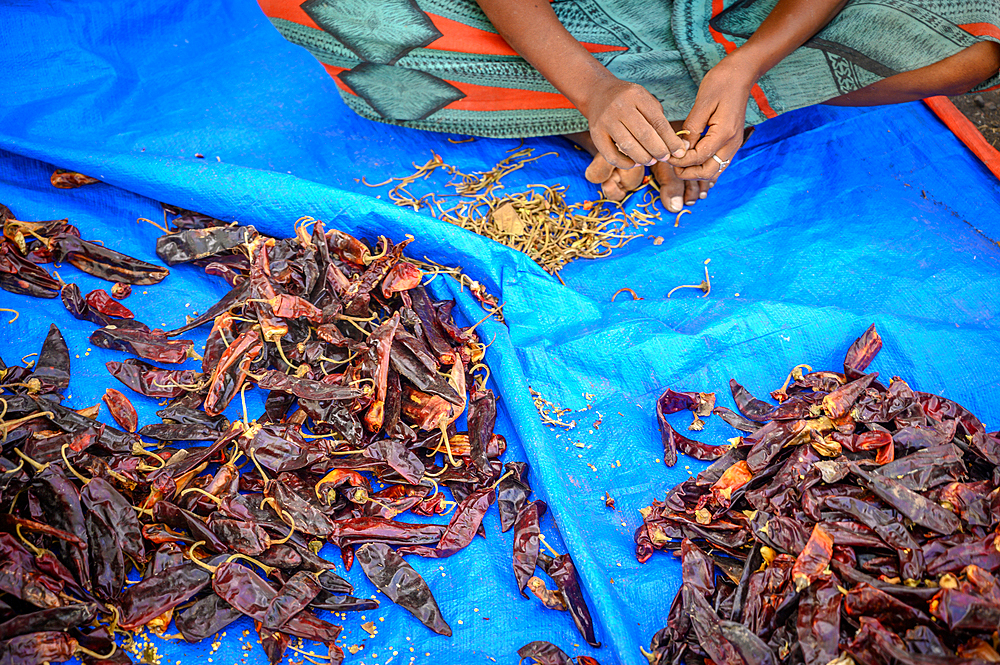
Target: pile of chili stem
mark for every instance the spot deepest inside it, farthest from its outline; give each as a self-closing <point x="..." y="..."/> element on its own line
<point x="365" y="375"/>
<point x="852" y="522"/>
<point x="543" y="225"/>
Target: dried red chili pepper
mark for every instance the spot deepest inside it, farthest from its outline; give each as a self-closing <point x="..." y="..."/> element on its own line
<point x="205" y="617"/>
<point x="102" y="262"/>
<point x="402" y="585"/>
<point x="148" y="345"/>
<point x="100" y="301"/>
<point x="121" y="409"/>
<point x="64" y="179"/>
<point x="231" y="371"/>
<point x="526" y="543"/>
<point x="154" y="595"/>
<point x="544" y="653"/>
<point x="563" y="572"/>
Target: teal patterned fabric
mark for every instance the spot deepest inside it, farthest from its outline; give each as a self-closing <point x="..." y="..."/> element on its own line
<point x="400" y="93"/>
<point x="668" y="47"/>
<point x="380" y="32"/>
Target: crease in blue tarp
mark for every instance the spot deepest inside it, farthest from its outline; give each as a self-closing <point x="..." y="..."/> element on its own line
<point x="828" y="220"/>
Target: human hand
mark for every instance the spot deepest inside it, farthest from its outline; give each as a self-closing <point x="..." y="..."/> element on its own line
<point x="628" y="126"/>
<point x="720" y="107"/>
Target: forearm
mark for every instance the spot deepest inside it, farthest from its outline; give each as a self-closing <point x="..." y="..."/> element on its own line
<point x="789" y="25"/>
<point x="533" y="30"/>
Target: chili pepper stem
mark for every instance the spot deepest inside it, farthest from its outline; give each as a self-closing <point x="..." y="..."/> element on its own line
<point x="291" y="527"/>
<point x="260" y="469"/>
<point x="502" y="478"/>
<point x="37" y="551"/>
<point x="677" y="220"/>
<point x="143" y="511"/>
<point x="137" y="449"/>
<point x="451" y="506"/>
<point x="268" y="570"/>
<point x="156" y="224"/>
<point x="95" y="655"/>
<point x="243" y="399"/>
<point x="208" y="495"/>
<point x="69" y="467"/>
<point x="485" y="367"/>
<point x="369" y="258"/>
<point x="447" y="444"/>
<point x="198" y="561"/>
<point x="35" y="465"/>
<point x="626" y="290"/>
<point x="438" y="474"/>
<point x="791" y="374"/>
<point x="20" y="465"/>
<point x="544" y="542"/>
<point x="12" y="311"/>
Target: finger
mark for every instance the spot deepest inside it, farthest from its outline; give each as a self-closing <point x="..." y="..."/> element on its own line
<point x="706" y="146"/>
<point x="697" y="120"/>
<point x="711" y="169"/>
<point x="630" y="146"/>
<point x="652" y="129"/>
<point x="609" y="151"/>
<point x="703" y="187"/>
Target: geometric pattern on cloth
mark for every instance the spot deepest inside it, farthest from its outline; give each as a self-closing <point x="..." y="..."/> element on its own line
<point x="398" y="93"/>
<point x="379" y="31"/>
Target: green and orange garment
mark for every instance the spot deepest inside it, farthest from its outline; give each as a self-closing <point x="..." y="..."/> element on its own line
<point x="439" y="64"/>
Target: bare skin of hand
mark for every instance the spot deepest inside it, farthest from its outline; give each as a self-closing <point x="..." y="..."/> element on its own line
<point x="717" y="119"/>
<point x="616" y="183"/>
<point x="628" y="130"/>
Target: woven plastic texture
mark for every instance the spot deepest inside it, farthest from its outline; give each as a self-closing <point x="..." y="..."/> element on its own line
<point x="827" y="221"/>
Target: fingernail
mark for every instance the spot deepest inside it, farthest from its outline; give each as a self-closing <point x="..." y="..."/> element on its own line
<point x="680" y="153"/>
<point x="676" y="203"/>
<point x="687" y="144"/>
<point x="702" y="195"/>
<point x="711" y="185"/>
<point x="691" y="203"/>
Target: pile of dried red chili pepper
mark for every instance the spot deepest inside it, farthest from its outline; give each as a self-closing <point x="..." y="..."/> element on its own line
<point x="853" y="520"/>
<point x="365" y="376"/>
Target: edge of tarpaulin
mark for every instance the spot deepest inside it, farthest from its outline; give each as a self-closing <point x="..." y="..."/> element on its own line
<point x="966" y="132"/>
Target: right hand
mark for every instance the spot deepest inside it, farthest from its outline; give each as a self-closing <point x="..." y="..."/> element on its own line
<point x="628" y="126"/>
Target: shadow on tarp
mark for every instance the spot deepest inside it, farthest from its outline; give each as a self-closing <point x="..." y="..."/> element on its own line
<point x="828" y="220"/>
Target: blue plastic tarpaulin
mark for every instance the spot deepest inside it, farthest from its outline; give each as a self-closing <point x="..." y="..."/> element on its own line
<point x="827" y="221"/>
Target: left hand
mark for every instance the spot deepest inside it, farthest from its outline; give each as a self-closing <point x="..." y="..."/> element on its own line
<point x="721" y="107"/>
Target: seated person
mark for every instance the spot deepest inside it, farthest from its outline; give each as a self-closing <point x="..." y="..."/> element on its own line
<point x="669" y="84"/>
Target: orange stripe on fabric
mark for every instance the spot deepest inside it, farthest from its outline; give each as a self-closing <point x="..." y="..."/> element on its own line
<point x="460" y="38"/>
<point x="290" y="11"/>
<point x="981" y="29"/>
<point x="486" y="98"/>
<point x="755" y="92"/>
<point x="333" y="71"/>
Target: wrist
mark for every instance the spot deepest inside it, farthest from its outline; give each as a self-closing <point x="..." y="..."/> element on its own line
<point x="745" y="65"/>
<point x="589" y="83"/>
